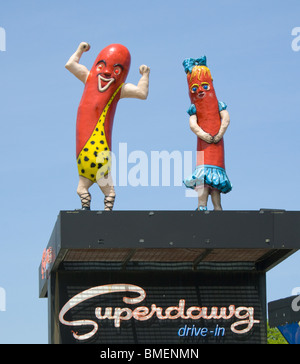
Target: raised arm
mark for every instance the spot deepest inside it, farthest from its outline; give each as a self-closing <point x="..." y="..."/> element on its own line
<point x="225" y="120"/>
<point x="199" y="131"/>
<point x="139" y="91"/>
<point x="79" y="70"/>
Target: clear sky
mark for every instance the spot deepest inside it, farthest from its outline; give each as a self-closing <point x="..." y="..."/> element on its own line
<point x="256" y="72"/>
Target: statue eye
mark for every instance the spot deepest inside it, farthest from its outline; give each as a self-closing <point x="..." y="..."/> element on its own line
<point x="194" y="88"/>
<point x="205" y="86"/>
<point x="100" y="66"/>
<point x="117" y="70"/>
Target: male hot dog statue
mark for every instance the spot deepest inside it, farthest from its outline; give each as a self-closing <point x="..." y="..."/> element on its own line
<point x="104" y="87"/>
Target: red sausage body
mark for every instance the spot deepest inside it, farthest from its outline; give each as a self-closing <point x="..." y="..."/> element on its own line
<point x="97" y="108"/>
<point x="208" y="116"/>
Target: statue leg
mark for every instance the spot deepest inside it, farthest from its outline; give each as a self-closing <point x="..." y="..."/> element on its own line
<point x="107" y="187"/>
<point x="203" y="193"/>
<point x="83" y="192"/>
<point x="216" y="199"/>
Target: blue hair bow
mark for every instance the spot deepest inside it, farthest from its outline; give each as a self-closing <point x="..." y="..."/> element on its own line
<point x="189" y="63"/>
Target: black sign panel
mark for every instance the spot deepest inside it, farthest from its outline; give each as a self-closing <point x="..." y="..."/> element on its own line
<point x="157" y="308"/>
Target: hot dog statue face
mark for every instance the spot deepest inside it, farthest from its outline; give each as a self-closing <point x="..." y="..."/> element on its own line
<point x="104" y="86"/>
<point x="209" y="120"/>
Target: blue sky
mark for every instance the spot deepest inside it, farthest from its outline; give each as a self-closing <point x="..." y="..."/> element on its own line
<point x="255" y="71"/>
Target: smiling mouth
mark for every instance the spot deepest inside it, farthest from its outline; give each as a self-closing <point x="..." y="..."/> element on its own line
<point x="104" y="83"/>
<point x="201" y="94"/>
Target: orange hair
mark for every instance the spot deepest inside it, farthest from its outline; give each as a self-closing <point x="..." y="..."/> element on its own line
<point x="197" y="71"/>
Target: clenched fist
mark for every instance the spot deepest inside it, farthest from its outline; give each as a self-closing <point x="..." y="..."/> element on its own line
<point x="144" y="69"/>
<point x="84" y="47"/>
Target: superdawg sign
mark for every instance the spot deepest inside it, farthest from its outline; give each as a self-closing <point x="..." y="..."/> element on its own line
<point x="244" y="315"/>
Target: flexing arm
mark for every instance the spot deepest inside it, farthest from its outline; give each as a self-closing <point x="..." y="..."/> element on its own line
<point x="73" y="65"/>
<point x="225" y="120"/>
<point x="139" y="91"/>
<point x="198" y="131"/>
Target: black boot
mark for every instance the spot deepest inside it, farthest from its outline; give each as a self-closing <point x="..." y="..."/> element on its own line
<point x="85" y="201"/>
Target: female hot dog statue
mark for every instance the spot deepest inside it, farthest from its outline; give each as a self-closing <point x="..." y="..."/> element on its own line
<point x="104" y="87"/>
<point x="209" y="120"/>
